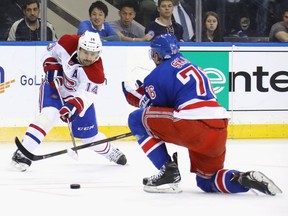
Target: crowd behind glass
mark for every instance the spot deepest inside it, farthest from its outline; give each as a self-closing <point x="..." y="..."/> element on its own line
<point x="239" y="19"/>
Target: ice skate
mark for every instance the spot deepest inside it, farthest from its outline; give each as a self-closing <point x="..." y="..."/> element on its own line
<point x="166" y="181"/>
<point x="117" y="156"/>
<point x="20" y="162"/>
<point x="257" y="180"/>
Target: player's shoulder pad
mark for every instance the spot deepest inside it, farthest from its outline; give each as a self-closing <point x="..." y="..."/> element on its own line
<point x="95" y="72"/>
<point x="69" y="42"/>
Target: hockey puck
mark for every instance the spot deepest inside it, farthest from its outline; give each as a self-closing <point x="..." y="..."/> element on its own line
<point x="74" y="186"/>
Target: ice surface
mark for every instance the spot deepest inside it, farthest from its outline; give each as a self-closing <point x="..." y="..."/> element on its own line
<point x="110" y="189"/>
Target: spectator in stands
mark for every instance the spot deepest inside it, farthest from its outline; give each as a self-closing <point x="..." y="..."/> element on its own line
<point x="126" y="27"/>
<point x="180" y="5"/>
<point x="245" y="29"/>
<point x="279" y="31"/>
<point x="164" y="23"/>
<point x="28" y="28"/>
<point x="98" y="11"/>
<point x="211" y="30"/>
<point x="188" y="19"/>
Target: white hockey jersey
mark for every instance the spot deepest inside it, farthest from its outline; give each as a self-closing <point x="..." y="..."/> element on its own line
<point x="78" y="81"/>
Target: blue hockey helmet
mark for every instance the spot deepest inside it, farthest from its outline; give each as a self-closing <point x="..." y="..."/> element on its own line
<point x="165" y="46"/>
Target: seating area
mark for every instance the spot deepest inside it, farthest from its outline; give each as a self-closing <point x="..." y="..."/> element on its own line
<point x="66" y="17"/>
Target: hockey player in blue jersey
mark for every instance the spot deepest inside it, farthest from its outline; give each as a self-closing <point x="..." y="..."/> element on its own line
<point x="177" y="105"/>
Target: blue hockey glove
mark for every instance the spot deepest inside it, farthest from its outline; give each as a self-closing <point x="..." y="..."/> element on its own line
<point x="71" y="109"/>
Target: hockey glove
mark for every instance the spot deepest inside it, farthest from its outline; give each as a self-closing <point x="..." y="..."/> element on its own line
<point x="139" y="84"/>
<point x="54" y="71"/>
<point x="133" y="96"/>
<point x="71" y="109"/>
<point x="144" y="100"/>
<point x="55" y="75"/>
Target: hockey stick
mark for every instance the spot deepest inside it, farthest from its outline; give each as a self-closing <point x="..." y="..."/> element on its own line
<point x="75" y="156"/>
<point x="33" y="157"/>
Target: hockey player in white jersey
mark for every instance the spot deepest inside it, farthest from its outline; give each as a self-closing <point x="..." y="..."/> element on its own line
<point x="75" y="64"/>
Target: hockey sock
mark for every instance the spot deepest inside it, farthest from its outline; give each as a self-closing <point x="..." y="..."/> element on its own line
<point x="102" y="149"/>
<point x="155" y="150"/>
<point x="38" y="129"/>
<point x="220" y="182"/>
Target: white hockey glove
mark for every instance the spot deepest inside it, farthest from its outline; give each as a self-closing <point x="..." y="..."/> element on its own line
<point x="135" y="97"/>
<point x="144" y="101"/>
<point x="132" y="96"/>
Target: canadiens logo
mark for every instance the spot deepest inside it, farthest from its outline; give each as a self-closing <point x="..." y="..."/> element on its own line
<point x="70" y="84"/>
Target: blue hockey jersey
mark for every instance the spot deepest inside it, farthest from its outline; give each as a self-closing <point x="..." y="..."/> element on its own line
<point x="179" y="84"/>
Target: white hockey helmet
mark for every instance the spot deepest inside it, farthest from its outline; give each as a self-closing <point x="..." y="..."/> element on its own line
<point x="90" y="41"/>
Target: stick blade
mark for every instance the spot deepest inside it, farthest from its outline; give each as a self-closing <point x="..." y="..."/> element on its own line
<point x="73" y="154"/>
<point x="33" y="157"/>
<point x="19" y="145"/>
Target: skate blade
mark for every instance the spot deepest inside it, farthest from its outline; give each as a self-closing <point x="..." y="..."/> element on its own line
<point x="272" y="187"/>
<point x="166" y="188"/>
